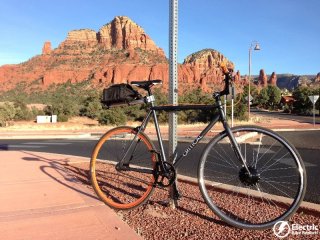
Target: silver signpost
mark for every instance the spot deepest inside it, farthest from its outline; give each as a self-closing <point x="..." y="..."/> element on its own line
<point x="314" y="99"/>
<point x="225" y="105"/>
<point x="173" y="84"/>
<point x="232" y="103"/>
<point x="231" y="97"/>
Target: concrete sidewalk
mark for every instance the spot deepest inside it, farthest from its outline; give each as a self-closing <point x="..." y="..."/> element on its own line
<point x="40" y="199"/>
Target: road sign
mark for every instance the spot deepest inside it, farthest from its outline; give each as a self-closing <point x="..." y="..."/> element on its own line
<point x="314" y="98"/>
<point x="251" y="98"/>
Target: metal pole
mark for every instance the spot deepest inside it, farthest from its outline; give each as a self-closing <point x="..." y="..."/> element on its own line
<point x="173" y="83"/>
<point x="225" y="105"/>
<point x="232" y="103"/>
<point x="249" y="82"/>
<point x="232" y="112"/>
<point x="314" y="114"/>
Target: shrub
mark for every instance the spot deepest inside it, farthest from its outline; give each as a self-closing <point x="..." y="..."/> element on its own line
<point x="114" y="116"/>
<point x="7" y="113"/>
<point x="62" y="118"/>
<point x="195" y="96"/>
<point x="22" y="112"/>
<point x="91" y="105"/>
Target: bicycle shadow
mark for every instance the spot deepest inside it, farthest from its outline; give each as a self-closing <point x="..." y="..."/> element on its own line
<point x="62" y="172"/>
<point x="4" y="147"/>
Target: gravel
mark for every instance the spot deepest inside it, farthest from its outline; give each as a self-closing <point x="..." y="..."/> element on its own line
<point x="192" y="219"/>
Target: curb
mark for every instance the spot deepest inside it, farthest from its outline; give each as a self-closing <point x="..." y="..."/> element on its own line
<point x="309" y="206"/>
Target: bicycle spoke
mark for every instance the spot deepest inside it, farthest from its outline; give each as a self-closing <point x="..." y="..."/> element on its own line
<point x="126" y="187"/>
<point x="259" y="199"/>
<point x="260" y="141"/>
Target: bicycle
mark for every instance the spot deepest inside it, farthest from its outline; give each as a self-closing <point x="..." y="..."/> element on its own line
<point x="249" y="176"/>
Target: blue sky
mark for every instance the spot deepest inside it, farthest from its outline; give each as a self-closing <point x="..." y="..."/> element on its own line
<point x="287" y="30"/>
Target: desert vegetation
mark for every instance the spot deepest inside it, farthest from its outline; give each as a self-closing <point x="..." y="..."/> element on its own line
<point x="82" y="99"/>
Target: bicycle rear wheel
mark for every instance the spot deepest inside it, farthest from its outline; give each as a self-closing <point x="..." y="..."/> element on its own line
<point x="128" y="187"/>
<point x="271" y="193"/>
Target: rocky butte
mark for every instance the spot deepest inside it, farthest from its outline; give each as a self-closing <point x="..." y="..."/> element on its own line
<point x="119" y="52"/>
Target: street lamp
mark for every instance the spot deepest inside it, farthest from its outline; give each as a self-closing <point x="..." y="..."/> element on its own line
<point x="256" y="46"/>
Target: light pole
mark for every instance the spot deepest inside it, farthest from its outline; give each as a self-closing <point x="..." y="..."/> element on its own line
<point x="256" y="48"/>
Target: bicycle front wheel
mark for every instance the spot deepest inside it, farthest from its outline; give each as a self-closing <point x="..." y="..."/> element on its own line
<point x="271" y="192"/>
<point x="128" y="186"/>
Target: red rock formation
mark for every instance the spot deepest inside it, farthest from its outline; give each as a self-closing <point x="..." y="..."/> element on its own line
<point x="120" y="52"/>
<point x="202" y="68"/>
<point x="123" y="33"/>
<point x="84" y="35"/>
<point x="273" y="79"/>
<point x="237" y="77"/>
<point x="263" y="79"/>
<point x="317" y="79"/>
<point x="46" y="48"/>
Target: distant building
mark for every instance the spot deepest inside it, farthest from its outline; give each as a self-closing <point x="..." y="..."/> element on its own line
<point x="288" y="102"/>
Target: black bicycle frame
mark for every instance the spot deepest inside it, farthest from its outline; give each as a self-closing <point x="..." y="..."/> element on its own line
<point x="215" y="118"/>
<point x="220" y="116"/>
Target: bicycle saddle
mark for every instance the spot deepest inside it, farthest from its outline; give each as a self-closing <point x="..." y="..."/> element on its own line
<point x="146" y="84"/>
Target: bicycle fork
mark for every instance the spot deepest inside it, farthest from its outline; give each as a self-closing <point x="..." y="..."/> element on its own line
<point x="235" y="147"/>
<point x="232" y="139"/>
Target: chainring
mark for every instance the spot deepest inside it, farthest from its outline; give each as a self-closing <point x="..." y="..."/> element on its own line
<point x="165" y="177"/>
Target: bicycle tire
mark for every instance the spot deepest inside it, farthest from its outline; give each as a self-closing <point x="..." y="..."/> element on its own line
<point x="122" y="189"/>
<point x="272" y="193"/>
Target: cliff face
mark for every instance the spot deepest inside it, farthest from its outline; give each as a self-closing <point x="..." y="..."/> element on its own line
<point x="119" y="52"/>
<point x="82" y="35"/>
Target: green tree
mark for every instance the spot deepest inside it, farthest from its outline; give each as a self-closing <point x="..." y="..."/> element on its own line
<point x="262" y="98"/>
<point x="316" y="91"/>
<point x="274" y="94"/>
<point x="302" y="103"/>
<point x="269" y="97"/>
<point x="254" y="92"/>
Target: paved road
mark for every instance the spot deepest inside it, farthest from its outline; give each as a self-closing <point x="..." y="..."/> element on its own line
<point x="307" y="143"/>
<point x="302" y="119"/>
